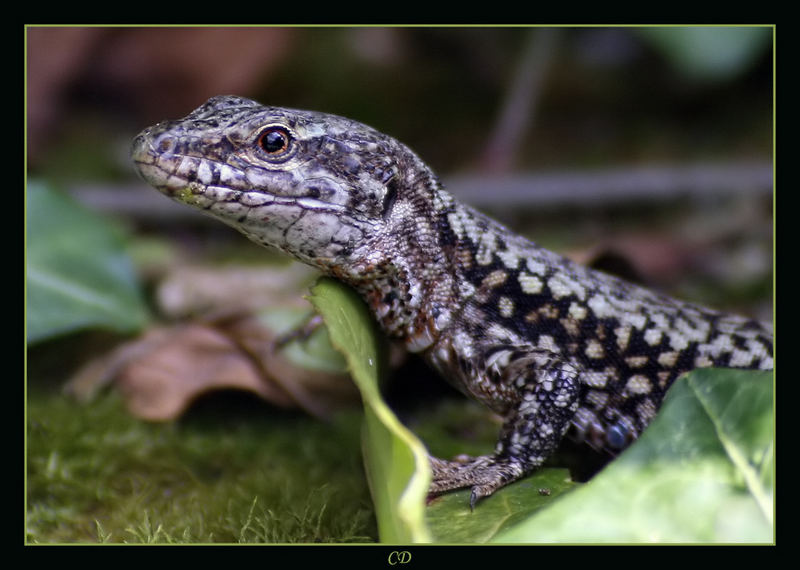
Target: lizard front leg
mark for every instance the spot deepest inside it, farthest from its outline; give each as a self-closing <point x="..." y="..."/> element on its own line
<point x="548" y="391"/>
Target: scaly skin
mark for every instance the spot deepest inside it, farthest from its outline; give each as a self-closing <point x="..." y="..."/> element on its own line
<point x="546" y="343"/>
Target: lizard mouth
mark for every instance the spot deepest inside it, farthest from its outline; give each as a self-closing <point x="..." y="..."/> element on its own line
<point x="209" y="185"/>
<point x="272" y="208"/>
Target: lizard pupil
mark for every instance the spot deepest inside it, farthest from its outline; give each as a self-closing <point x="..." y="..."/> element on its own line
<point x="274" y="140"/>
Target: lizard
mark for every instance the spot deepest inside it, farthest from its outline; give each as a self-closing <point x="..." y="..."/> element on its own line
<point x="550" y="345"/>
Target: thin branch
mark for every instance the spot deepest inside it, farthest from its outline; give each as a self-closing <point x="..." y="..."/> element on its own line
<point x="612" y="186"/>
<point x="525" y="190"/>
<point x="519" y="109"/>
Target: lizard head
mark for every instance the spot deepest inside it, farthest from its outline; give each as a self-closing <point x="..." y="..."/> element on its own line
<point x="319" y="187"/>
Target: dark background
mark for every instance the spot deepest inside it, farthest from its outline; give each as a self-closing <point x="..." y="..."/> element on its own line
<point x="653" y="145"/>
<point x="644" y="151"/>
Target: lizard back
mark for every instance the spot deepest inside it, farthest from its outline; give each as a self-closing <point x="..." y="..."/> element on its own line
<point x="543" y="341"/>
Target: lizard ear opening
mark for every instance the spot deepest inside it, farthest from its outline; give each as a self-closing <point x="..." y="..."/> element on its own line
<point x="390" y="197"/>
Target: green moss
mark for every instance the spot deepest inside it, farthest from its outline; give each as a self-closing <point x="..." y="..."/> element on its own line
<point x="95" y="474"/>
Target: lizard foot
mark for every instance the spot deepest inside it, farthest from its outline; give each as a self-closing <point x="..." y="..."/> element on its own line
<point x="301" y="332"/>
<point x="484" y="474"/>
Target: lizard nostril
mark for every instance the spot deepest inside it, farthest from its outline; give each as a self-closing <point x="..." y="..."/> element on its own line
<point x="165" y="144"/>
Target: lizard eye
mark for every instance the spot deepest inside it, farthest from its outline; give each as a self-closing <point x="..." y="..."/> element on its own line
<point x="274" y="140"/>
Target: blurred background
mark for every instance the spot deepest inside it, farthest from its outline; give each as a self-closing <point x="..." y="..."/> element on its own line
<point x="606" y="129"/>
<point x="645" y="152"/>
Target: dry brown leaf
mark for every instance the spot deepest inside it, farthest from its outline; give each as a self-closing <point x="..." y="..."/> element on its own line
<point x="196" y="290"/>
<point x="161" y="373"/>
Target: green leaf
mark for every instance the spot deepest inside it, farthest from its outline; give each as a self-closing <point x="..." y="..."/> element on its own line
<point x="451" y="520"/>
<point x="709" y="53"/>
<point x="315" y="352"/>
<point x="396" y="462"/>
<point x="77" y="272"/>
<point x="702" y="472"/>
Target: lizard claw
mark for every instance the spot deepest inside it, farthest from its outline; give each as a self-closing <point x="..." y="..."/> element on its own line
<point x="485" y="475"/>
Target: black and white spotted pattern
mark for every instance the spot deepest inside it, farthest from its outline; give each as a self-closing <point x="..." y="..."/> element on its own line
<point x="546" y="343"/>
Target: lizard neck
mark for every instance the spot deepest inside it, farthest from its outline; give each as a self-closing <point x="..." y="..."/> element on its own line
<point x="408" y="273"/>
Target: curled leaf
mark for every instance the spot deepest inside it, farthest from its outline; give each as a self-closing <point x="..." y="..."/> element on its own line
<point x="396" y="461"/>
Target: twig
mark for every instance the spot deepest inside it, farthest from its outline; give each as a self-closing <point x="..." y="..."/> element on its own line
<point x="524" y="190"/>
<point x="519" y="108"/>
